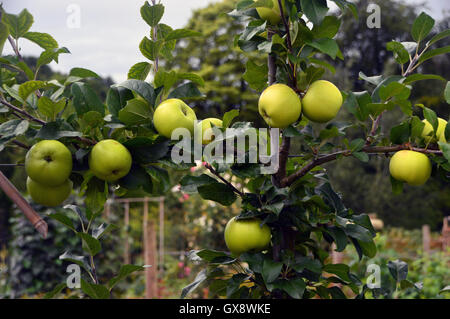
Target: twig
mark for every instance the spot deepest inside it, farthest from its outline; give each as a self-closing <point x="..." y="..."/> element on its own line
<point x="367" y="149"/>
<point x="11" y="191"/>
<point x="212" y="170"/>
<point x="23" y="112"/>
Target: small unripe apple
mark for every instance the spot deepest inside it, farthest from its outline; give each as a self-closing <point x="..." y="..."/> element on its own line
<point x="411" y="167"/>
<point x="246" y="234"/>
<point x="322" y="101"/>
<point x="109" y="160"/>
<point x="172" y="114"/>
<point x="49" y="195"/>
<point x="279" y="106"/>
<point x="272" y="15"/>
<point x="49" y="162"/>
<point x="440" y="132"/>
<point x="207" y="132"/>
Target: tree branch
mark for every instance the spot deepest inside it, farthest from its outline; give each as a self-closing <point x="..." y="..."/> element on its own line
<point x="287" y="181"/>
<point x="23" y="112"/>
<point x="212" y="170"/>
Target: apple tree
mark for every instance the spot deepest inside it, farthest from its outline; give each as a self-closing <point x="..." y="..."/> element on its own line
<point x="124" y="144"/>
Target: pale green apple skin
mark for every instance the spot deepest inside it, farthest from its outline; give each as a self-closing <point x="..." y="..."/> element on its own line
<point x="245" y="235"/>
<point x="109" y="160"/>
<point x="322" y="101"/>
<point x="49" y="196"/>
<point x="272" y="15"/>
<point x="205" y="125"/>
<point x="279" y="106"/>
<point x="411" y="167"/>
<point x="49" y="162"/>
<point x="440" y="132"/>
<point x="172" y="114"/>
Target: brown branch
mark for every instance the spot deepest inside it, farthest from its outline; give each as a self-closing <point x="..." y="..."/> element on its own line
<point x="367" y="149"/>
<point x="23" y="112"/>
<point x="11" y="191"/>
<point x="271" y="61"/>
<point x="212" y="170"/>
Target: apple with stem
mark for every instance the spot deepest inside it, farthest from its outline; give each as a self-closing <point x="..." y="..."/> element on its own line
<point x="109" y="160"/>
<point x="172" y="114"/>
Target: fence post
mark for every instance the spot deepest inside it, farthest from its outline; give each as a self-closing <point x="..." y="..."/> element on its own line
<point x="426" y="238"/>
<point x="161" y="235"/>
<point x="149" y="254"/>
<point x="126" y="253"/>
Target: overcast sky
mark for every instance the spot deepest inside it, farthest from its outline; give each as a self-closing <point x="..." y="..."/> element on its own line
<point x="110" y="31"/>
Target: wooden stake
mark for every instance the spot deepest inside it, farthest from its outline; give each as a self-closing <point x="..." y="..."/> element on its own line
<point x="126" y="253"/>
<point x="426" y="238"/>
<point x="161" y="235"/>
<point x="11" y="191"/>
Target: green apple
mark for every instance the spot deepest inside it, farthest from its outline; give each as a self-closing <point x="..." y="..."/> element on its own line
<point x="322" y="101"/>
<point x="49" y="195"/>
<point x="272" y="15"/>
<point x="172" y="114"/>
<point x="440" y="133"/>
<point x="49" y="162"/>
<point x="207" y="133"/>
<point x="245" y="235"/>
<point x="411" y="167"/>
<point x="109" y="160"/>
<point x="279" y="105"/>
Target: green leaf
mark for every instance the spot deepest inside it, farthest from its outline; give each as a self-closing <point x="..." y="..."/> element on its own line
<point x="400" y="133"/>
<point x="394" y="89"/>
<point x="13" y="128"/>
<point x="315" y="10"/>
<point x="256" y="75"/>
<point x="398" y="269"/>
<point x="55" y="291"/>
<point x="63" y="219"/>
<point x="432" y="53"/>
<point x="83" y="73"/>
<point x="445" y="148"/>
<point x="447" y="92"/>
<point x="139" y="71"/>
<point x="324" y="64"/>
<point x="325" y="45"/>
<point x="161" y="176"/>
<point x="229" y="117"/>
<point x="135" y="112"/>
<point x="56" y="130"/>
<point x="152" y="14"/>
<point x="85" y="99"/>
<point x="79" y="260"/>
<point x="101" y="230"/>
<point x="137" y="178"/>
<point x="217" y="192"/>
<point x="150" y="49"/>
<point x="93" y="245"/>
<point x="441" y="35"/>
<point x="401" y="55"/>
<point x="186" y="91"/>
<point x="117" y="98"/>
<point x="190" y="183"/>
<point x="422" y="26"/>
<point x="4" y="33"/>
<point x="181" y="33"/>
<point x="271" y="270"/>
<point x="165" y="79"/>
<point x="96" y="193"/>
<point x="368" y="248"/>
<point x="431" y="117"/>
<point x="293" y="287"/>
<point x="341" y="270"/>
<point x="145" y="150"/>
<point x="18" y="25"/>
<point x="419" y="77"/>
<point x="44" y="40"/>
<point x="358" y="232"/>
<point x="25" y="89"/>
<point x="125" y="271"/>
<point x="49" y="108"/>
<point x="50" y="55"/>
<point x="328" y="28"/>
<point x="397" y="186"/>
<point x="375" y="80"/>
<point x="194" y="78"/>
<point x="363" y="157"/>
<point x="142" y="88"/>
<point x="357" y="144"/>
<point x="445" y="289"/>
<point x="95" y="291"/>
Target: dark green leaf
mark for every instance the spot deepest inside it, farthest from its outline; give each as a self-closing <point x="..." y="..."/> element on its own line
<point x="152" y="14"/>
<point x="398" y="269"/>
<point x="422" y="26"/>
<point x="271" y="270"/>
<point x="93" y="245"/>
<point x="186" y="91"/>
<point x="315" y="10"/>
<point x="125" y="271"/>
<point x="217" y="192"/>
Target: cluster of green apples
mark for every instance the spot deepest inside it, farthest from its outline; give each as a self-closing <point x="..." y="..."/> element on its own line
<point x="175" y="113"/>
<point x="280" y="106"/>
<point x="49" y="164"/>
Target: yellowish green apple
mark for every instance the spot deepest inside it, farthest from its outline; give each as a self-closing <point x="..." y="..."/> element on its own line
<point x="246" y="234"/>
<point x="172" y="114"/>
<point x="49" y="162"/>
<point x="206" y="127"/>
<point x="411" y="167"/>
<point x="272" y="15"/>
<point x="440" y="132"/>
<point x="279" y="105"/>
<point x="49" y="195"/>
<point x="322" y="101"/>
<point x="109" y="160"/>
